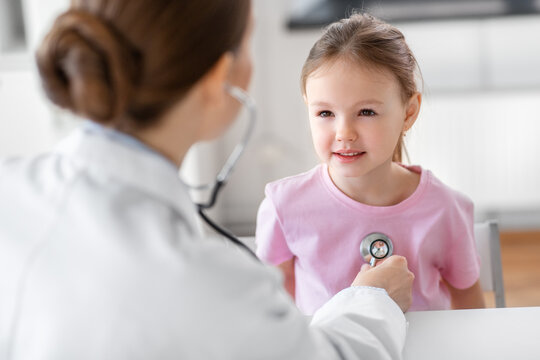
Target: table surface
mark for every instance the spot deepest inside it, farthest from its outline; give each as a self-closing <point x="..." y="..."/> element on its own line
<point x="505" y="333"/>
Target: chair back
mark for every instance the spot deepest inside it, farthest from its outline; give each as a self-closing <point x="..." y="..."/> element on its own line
<point x="489" y="249"/>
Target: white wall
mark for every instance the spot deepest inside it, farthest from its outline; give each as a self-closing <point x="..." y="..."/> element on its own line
<point x="24" y="124"/>
<point x="28" y="123"/>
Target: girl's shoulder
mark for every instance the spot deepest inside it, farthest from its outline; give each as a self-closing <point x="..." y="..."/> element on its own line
<point x="439" y="192"/>
<point x="294" y="194"/>
<point x="295" y="183"/>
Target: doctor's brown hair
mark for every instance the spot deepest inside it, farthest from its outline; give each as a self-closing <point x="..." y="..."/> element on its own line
<point x="368" y="42"/>
<point x="125" y="62"/>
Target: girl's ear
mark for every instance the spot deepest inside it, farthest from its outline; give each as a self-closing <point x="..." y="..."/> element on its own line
<point x="412" y="110"/>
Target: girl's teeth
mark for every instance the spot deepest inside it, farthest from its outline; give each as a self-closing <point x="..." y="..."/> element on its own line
<point x="350" y="154"/>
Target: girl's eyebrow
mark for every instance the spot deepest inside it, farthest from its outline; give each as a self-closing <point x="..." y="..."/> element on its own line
<point x="362" y="102"/>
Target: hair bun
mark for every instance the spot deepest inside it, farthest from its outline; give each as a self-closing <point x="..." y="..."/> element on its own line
<point x="86" y="67"/>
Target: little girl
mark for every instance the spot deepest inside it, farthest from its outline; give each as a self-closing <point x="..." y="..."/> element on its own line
<point x="358" y="83"/>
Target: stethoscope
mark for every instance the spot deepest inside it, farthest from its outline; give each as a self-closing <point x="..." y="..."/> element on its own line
<point x="245" y="100"/>
<point x="376" y="246"/>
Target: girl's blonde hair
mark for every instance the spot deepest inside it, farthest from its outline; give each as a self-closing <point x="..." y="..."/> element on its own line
<point x="367" y="41"/>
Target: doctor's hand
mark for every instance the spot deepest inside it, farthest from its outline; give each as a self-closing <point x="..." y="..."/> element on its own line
<point x="392" y="275"/>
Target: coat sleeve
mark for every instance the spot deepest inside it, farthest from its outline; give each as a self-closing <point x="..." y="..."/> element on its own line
<point x="262" y="322"/>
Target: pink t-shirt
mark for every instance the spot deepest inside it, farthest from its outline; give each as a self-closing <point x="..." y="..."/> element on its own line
<point x="307" y="217"/>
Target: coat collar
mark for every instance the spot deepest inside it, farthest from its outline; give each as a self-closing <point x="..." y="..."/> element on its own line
<point x="135" y="166"/>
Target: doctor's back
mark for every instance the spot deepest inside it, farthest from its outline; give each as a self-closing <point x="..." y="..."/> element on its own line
<point x="100" y="257"/>
<point x="91" y="259"/>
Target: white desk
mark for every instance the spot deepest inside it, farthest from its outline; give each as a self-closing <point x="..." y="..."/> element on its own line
<point x="507" y="333"/>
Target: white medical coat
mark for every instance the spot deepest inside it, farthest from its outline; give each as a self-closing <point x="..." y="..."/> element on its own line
<point x="100" y="259"/>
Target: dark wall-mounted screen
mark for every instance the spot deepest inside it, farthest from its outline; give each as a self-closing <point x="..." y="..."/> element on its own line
<point x="316" y="13"/>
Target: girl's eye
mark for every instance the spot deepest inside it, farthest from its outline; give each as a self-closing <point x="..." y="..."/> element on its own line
<point x="367" y="112"/>
<point x="325" y="113"/>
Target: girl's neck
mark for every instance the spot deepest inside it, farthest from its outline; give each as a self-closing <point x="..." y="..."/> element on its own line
<point x="387" y="185"/>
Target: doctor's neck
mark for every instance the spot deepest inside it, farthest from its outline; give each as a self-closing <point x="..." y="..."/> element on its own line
<point x="196" y="117"/>
<point x="174" y="133"/>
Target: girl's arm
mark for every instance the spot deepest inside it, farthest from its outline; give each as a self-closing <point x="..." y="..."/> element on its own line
<point x="470" y="298"/>
<point x="287" y="268"/>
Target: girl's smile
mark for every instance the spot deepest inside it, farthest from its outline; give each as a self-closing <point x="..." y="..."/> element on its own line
<point x="347" y="156"/>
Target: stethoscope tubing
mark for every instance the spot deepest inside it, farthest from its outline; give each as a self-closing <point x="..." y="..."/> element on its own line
<point x="226" y="233"/>
<point x="221" y="178"/>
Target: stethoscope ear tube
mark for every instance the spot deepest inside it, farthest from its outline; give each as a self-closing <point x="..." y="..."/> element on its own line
<point x="243" y="98"/>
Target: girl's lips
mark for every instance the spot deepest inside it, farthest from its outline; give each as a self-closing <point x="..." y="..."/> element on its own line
<point x="347" y="157"/>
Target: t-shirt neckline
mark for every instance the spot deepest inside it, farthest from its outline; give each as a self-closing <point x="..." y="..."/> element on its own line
<point x="380" y="210"/>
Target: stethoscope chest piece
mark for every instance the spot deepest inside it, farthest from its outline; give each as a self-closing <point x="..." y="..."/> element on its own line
<point x="376" y="246"/>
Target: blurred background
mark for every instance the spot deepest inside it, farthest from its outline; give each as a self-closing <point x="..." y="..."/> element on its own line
<point x="478" y="130"/>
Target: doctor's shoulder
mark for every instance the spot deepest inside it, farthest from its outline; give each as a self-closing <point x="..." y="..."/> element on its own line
<point x="37" y="176"/>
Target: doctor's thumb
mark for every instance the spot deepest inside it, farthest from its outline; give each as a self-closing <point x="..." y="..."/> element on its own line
<point x="365" y="267"/>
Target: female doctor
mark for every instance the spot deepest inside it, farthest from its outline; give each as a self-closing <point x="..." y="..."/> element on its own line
<point x="99" y="253"/>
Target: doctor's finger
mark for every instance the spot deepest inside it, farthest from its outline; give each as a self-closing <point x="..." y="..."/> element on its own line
<point x="394" y="260"/>
<point x="365" y="267"/>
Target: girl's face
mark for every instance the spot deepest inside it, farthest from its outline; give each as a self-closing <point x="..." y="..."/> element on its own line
<point x="356" y="116"/>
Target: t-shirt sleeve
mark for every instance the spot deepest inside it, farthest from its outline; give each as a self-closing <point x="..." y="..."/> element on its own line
<point x="270" y="240"/>
<point x="462" y="264"/>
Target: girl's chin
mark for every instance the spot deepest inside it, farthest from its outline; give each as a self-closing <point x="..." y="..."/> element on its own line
<point x="346" y="172"/>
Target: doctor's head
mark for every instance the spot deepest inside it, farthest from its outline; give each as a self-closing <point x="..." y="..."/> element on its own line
<point x="128" y="63"/>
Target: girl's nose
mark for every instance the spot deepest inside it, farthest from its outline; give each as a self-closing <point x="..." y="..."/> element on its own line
<point x="345" y="131"/>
